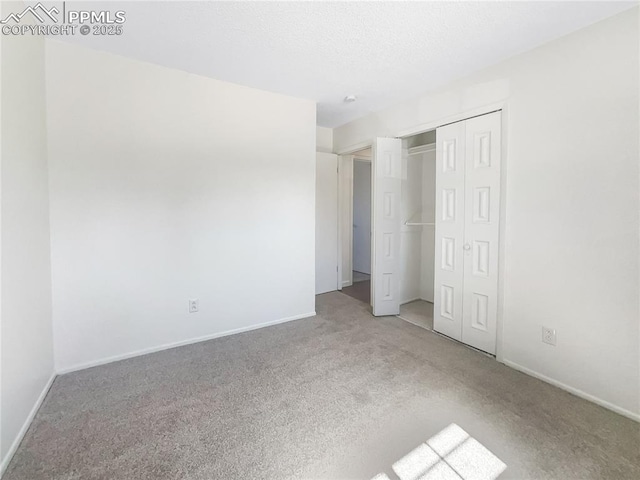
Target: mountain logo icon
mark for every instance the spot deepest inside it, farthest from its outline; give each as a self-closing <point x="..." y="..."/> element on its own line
<point x="38" y="11"/>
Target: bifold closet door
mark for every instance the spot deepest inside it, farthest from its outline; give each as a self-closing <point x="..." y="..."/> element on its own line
<point x="449" y="267"/>
<point x="481" y="231"/>
<point x="467" y="230"/>
<point x="387" y="185"/>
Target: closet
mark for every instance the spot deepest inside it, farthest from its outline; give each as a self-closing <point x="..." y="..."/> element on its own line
<point x="468" y="158"/>
<point x="417" y="231"/>
<point x="437" y="229"/>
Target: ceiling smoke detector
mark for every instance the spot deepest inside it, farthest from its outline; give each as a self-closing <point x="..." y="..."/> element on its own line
<point x="350" y="99"/>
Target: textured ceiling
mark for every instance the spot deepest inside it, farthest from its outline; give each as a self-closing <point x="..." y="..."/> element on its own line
<point x="383" y="52"/>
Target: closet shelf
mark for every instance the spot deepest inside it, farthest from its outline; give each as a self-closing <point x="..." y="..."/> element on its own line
<point x="430" y="147"/>
<point x="417" y="220"/>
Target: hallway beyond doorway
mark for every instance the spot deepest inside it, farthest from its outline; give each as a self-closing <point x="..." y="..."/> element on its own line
<point x="360" y="277"/>
<point x="361" y="287"/>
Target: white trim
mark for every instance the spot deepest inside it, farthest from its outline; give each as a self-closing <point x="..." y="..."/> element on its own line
<point x="579" y="393"/>
<point x="349" y="231"/>
<point x="502" y="258"/>
<point x="411" y="300"/>
<point x="415" y="300"/>
<point x="345" y="217"/>
<point x="355" y="148"/>
<point x="372" y="284"/>
<point x="340" y="194"/>
<point x="458" y="117"/>
<point x="414" y="323"/>
<point x="167" y="346"/>
<point x="25" y="426"/>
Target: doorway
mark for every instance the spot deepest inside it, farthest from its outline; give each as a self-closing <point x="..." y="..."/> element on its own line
<point x="357" y="226"/>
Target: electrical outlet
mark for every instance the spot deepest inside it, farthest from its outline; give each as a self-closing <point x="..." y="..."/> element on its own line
<point x="194" y="305"/>
<point x="548" y="336"/>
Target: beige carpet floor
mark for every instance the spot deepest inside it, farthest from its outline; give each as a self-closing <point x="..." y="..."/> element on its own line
<point x="419" y="313"/>
<point x="339" y="395"/>
<point x="360" y="291"/>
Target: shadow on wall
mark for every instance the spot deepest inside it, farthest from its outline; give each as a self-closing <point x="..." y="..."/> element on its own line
<point x="450" y="454"/>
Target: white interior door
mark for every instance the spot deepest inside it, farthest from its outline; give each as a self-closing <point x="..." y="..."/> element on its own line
<point x="387" y="184"/>
<point x="449" y="238"/>
<point x="326" y="222"/>
<point x="481" y="231"/>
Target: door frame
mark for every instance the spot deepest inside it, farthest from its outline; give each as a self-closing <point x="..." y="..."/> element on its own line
<point x="345" y="211"/>
<point x="503" y="106"/>
<point x="353" y="178"/>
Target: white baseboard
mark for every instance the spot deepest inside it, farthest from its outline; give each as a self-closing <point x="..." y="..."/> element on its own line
<point x="45" y="390"/>
<point x="404" y="302"/>
<point x="25" y="426"/>
<point x="137" y="353"/>
<point x="578" y="393"/>
<point x="409" y="300"/>
<point x="412" y="322"/>
<point x="346" y="283"/>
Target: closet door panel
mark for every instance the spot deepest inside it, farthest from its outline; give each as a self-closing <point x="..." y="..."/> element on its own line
<point x="387" y="186"/>
<point x="481" y="231"/>
<point x="449" y="230"/>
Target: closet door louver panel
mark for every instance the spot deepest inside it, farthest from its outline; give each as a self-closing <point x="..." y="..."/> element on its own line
<point x="482" y="231"/>
<point x="387" y="185"/>
<point x="450" y="204"/>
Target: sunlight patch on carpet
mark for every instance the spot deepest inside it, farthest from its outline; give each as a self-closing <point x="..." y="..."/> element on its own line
<point x="450" y="454"/>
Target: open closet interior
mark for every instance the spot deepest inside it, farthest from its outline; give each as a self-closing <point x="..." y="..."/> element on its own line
<point x="417" y="234"/>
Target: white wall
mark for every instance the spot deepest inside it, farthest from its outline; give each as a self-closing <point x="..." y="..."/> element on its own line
<point x="571" y="245"/>
<point x="324" y="139"/>
<point x="25" y="327"/>
<point x="362" y="216"/>
<point x="167" y="186"/>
